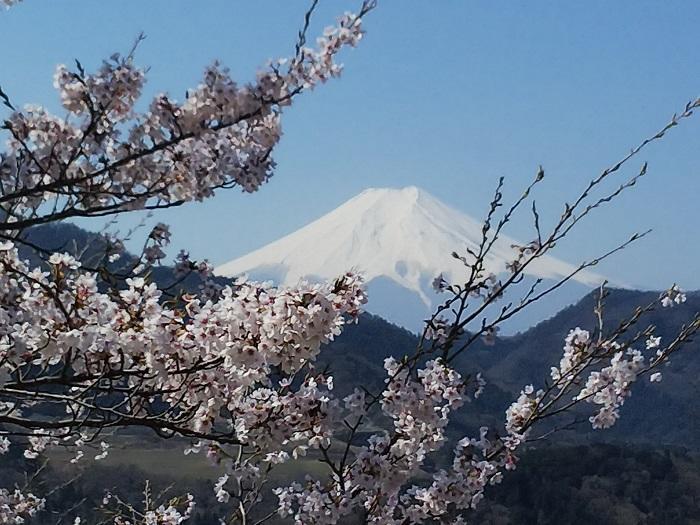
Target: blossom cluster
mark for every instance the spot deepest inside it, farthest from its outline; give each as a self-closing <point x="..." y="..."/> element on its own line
<point x="673" y="296"/>
<point x="610" y="386"/>
<point x="461" y="486"/>
<point x="577" y="347"/>
<point x="378" y="480"/>
<point x="175" y="512"/>
<point x="521" y="412"/>
<point x="107" y="157"/>
<point x="419" y="409"/>
<point x="16" y="507"/>
<point x="205" y="359"/>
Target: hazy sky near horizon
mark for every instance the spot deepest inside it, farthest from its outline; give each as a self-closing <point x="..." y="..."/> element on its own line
<point x="447" y="96"/>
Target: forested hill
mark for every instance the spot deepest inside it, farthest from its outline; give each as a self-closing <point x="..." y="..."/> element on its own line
<point x="646" y="473"/>
<point x="664" y="413"/>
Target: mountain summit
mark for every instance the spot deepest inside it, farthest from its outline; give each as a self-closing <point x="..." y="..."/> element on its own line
<point x="398" y="238"/>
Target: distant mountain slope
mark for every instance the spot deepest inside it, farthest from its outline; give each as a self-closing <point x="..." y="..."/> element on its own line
<point x="400" y="239"/>
<point x="646" y="481"/>
<point x="666" y="413"/>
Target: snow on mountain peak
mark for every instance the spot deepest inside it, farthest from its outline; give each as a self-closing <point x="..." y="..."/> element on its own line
<point x="404" y="235"/>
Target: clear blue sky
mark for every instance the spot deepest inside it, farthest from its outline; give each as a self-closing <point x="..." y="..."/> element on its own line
<point x="446" y="95"/>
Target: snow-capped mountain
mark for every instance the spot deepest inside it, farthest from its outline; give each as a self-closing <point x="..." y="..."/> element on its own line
<point x="400" y="239"/>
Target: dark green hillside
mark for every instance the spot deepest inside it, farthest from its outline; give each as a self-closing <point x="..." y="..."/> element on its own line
<point x="644" y="471"/>
<point x="663" y="413"/>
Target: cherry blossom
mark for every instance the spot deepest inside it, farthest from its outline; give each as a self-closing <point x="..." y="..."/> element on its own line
<point x="17" y="507"/>
<point x="106" y="157"/>
<point x="232" y="367"/>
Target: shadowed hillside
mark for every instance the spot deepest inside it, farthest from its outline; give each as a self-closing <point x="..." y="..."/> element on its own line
<point x="663" y="413"/>
<point x="572" y="478"/>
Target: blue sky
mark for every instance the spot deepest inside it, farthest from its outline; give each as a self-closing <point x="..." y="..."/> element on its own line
<point x="446" y="95"/>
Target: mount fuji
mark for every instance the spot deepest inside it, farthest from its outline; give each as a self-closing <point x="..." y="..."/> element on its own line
<point x="400" y="239"/>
